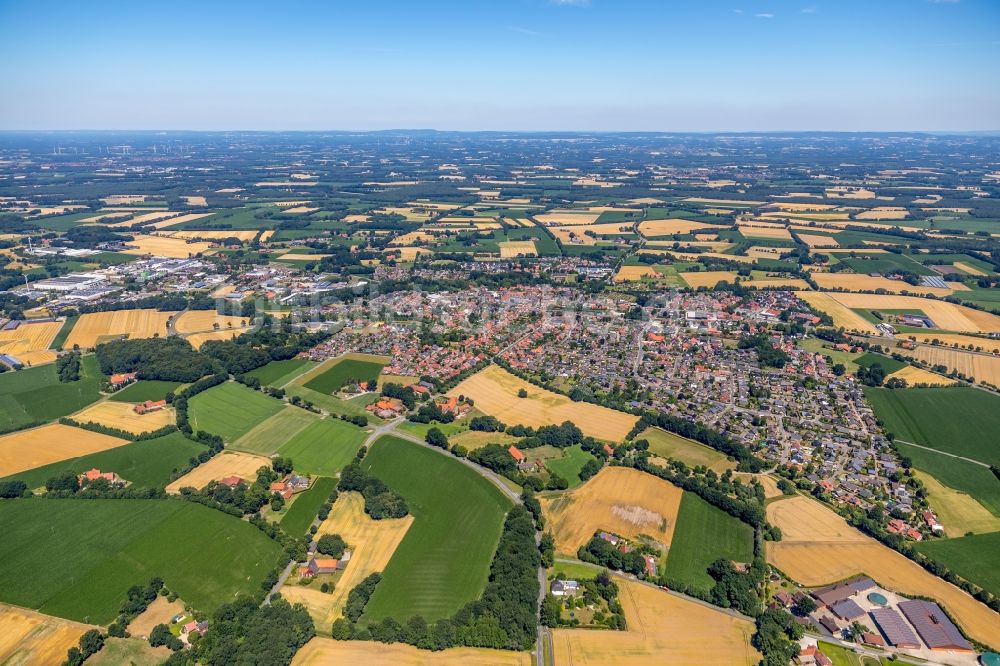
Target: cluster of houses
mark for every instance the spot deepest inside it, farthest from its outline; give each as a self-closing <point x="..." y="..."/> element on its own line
<point x="94" y="474"/>
<point x="149" y="406"/>
<point x="624" y="546"/>
<point x="290" y="485"/>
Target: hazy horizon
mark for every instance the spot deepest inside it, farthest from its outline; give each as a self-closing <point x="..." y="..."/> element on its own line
<point x="517" y="65"/>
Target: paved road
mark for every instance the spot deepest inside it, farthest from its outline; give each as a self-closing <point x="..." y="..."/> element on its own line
<point x="944" y="453"/>
<point x="281" y="581"/>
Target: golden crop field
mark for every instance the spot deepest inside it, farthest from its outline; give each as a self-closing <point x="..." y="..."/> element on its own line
<point x="36" y="357"/>
<point x="724" y="202"/>
<point x="958" y="512"/>
<point x="95" y="327"/>
<point x="411" y="253"/>
<point x="984" y="367"/>
<point x="859" y="282"/>
<point x="29" y="338"/>
<point x="842" y="316"/>
<point x="180" y="219"/>
<point x="947" y="316"/>
<point x="372" y="542"/>
<point x="495" y="393"/>
<point x="690" y="256"/>
<point x="321" y="650"/>
<point x="633" y="273"/>
<point x="818" y="547"/>
<point x="780" y="283"/>
<point x="844" y="192"/>
<point x="123" y="416"/>
<point x="28" y="638"/>
<point x="983" y="344"/>
<point x="201" y="321"/>
<point x="661" y="629"/>
<point x="516" y="248"/>
<point x="28" y="449"/>
<point x="301" y="210"/>
<point x="816" y="240"/>
<point x="782" y="205"/>
<point x="196" y="340"/>
<point x="567" y="217"/>
<point x="227" y="463"/>
<point x="883" y="213"/>
<point x="621" y="500"/>
<point x="294" y="256"/>
<point x="159" y="246"/>
<point x="767" y="482"/>
<point x="216" y="234"/>
<point x="147" y="218"/>
<point x="825" y="216"/>
<point x="159" y="612"/>
<point x="709" y="279"/>
<point x="764" y="231"/>
<point x="914" y="376"/>
<point x="673" y="226"/>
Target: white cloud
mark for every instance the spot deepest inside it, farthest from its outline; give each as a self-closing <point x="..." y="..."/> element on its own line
<point x="766" y="15"/>
<point x="524" y="31"/>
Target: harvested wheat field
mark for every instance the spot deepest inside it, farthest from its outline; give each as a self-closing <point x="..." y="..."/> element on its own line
<point x="766" y="481"/>
<point x="28" y="449"/>
<point x="914" y="376"/>
<point x="180" y="219"/>
<point x="495" y="393"/>
<point x="661" y="629"/>
<point x="631" y="273"/>
<point x="28" y="638"/>
<point x="517" y="248"/>
<point x="709" y="279"/>
<point x="241" y="234"/>
<point x="227" y="463"/>
<point x="673" y="226"/>
<point x="782" y="205"/>
<point x="567" y="217"/>
<point x="777" y="283"/>
<point x="725" y="202"/>
<point x="984" y="367"/>
<point x="764" y="231"/>
<point x="815" y="240"/>
<point x="196" y="340"/>
<point x="411" y="253"/>
<point x="842" y="316"/>
<point x="122" y="415"/>
<point x="958" y="512"/>
<point x="883" y="213"/>
<point x="160" y="611"/>
<point x="963" y="341"/>
<point x="94" y="328"/>
<point x="947" y="316"/>
<point x="147" y="218"/>
<point x="373" y="542"/>
<point x="320" y="651"/>
<point x="28" y="338"/>
<point x="301" y="210"/>
<point x="844" y="192"/>
<point x="195" y="200"/>
<point x="818" y="547"/>
<point x="292" y="256"/>
<point x="200" y="321"/>
<point x="690" y="256"/>
<point x="36" y="357"/>
<point x="620" y="500"/>
<point x="158" y="246"/>
<point x="858" y="282"/>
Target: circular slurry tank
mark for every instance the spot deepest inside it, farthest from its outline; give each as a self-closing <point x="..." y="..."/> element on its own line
<point x="878" y="599"/>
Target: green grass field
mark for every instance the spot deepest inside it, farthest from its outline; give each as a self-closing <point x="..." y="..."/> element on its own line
<point x="67" y="327"/>
<point x="145" y="389"/>
<point x="94" y="550"/>
<point x="36" y="394"/>
<point x="443" y="561"/>
<point x="148" y="463"/>
<point x="973" y="557"/>
<point x="704" y="534"/>
<point x="955" y="420"/>
<point x="279" y="373"/>
<point x="303" y="510"/>
<point x="970" y="478"/>
<point x="816" y="345"/>
<point x="890" y="365"/>
<point x="884" y="263"/>
<point x="841" y="656"/>
<point x="668" y="445"/>
<point x="269" y="435"/>
<point x="353" y="407"/>
<point x="324" y="447"/>
<point x="341" y="373"/>
<point x="568" y="465"/>
<point x="231" y="410"/>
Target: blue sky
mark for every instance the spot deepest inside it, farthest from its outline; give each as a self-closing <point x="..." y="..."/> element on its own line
<point x="501" y="64"/>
